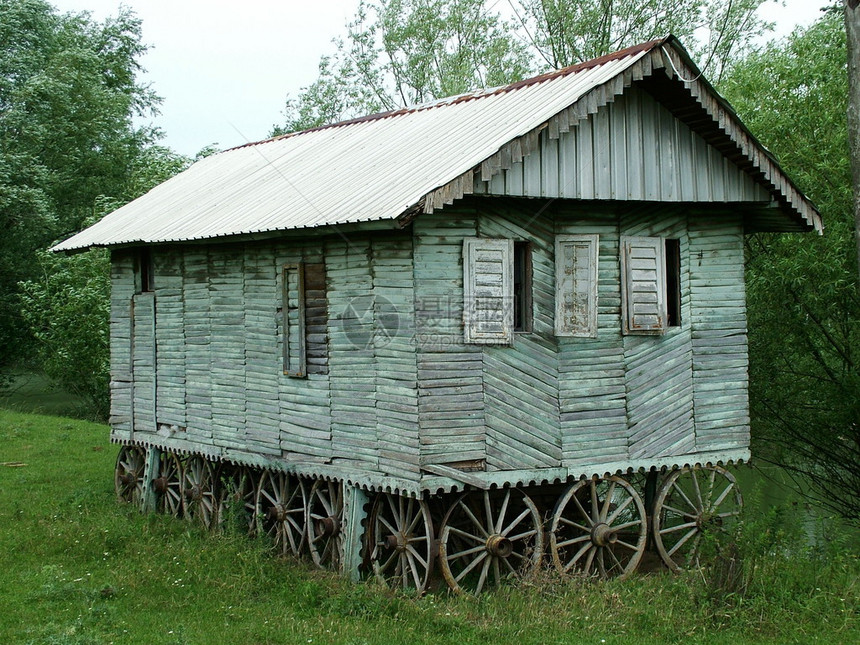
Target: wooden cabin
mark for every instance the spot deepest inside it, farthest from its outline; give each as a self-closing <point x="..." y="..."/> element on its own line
<point x="516" y="287"/>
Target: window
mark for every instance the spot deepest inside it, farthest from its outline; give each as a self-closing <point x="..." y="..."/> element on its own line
<point x="672" y="250"/>
<point x="488" y="288"/>
<point x="144" y="271"/>
<point x="522" y="286"/>
<point x="650" y="284"/>
<point x="576" y="285"/>
<point x="305" y="320"/>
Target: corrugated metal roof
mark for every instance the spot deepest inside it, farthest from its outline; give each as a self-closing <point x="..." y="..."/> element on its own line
<point x="373" y="168"/>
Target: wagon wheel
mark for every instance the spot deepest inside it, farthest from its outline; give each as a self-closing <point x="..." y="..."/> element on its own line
<point x="400" y="541"/>
<point x="692" y="503"/>
<point x="128" y="476"/>
<point x="168" y="484"/>
<point x="325" y="518"/>
<point x="198" y="491"/>
<point x="487" y="537"/>
<point x="599" y="528"/>
<point x="280" y="509"/>
<point x="237" y="499"/>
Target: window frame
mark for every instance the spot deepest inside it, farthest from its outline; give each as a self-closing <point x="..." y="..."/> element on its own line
<point x="301" y="370"/>
<point x="586" y="243"/>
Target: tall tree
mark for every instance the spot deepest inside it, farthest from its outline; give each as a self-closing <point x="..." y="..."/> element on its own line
<point x="852" y="30"/>
<point x="804" y="309"/>
<point x="563" y="33"/>
<point x="68" y="92"/>
<point x="403" y="52"/>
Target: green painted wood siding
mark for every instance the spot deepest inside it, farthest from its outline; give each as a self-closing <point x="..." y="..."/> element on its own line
<point x="397" y="388"/>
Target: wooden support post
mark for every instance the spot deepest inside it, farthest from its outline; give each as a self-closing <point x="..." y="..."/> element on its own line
<point x="354" y="514"/>
<point x="150" y="472"/>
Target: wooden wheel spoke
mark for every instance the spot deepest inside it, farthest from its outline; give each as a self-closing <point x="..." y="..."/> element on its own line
<point x="497" y="527"/>
<point x="414" y="554"/>
<point x="483" y="576"/>
<point x="604" y="511"/>
<point x="497" y="571"/>
<point x="474" y="519"/>
<point x="384" y="521"/>
<point x="582" y="551"/>
<point x="488" y="511"/>
<point x="523" y="535"/>
<point x="627" y="502"/>
<point x="615" y="559"/>
<point x="580" y="527"/>
<point x="582" y="510"/>
<point x="589" y="561"/>
<point x="413" y="567"/>
<point x="627" y="545"/>
<point x="518" y="519"/>
<point x="722" y="496"/>
<point x="677" y="527"/>
<point x="627" y="525"/>
<point x="474" y="563"/>
<point x="679" y="512"/>
<point x="466" y="552"/>
<point x="697" y="510"/>
<point x="464" y="534"/>
<point x="414" y="523"/>
<point x="695" y="478"/>
<point x="576" y="540"/>
<point x="683" y="541"/>
<point x="595" y="504"/>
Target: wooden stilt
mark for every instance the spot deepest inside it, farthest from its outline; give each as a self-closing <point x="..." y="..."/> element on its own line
<point x="355" y="516"/>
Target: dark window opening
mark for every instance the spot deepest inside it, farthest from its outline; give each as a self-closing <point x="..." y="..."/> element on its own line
<point x="144" y="272"/>
<point x="673" y="283"/>
<point x="522" y="286"/>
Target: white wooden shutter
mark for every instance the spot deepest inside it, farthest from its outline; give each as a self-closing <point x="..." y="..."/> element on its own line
<point x="643" y="285"/>
<point x="576" y="285"/>
<point x="488" y="291"/>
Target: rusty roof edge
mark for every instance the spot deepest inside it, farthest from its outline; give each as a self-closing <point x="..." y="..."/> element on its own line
<point x="473" y="95"/>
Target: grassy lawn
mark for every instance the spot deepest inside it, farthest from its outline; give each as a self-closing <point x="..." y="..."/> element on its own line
<point x="77" y="568"/>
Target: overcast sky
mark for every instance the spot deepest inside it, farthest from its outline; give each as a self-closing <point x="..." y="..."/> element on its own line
<point x="225" y="68"/>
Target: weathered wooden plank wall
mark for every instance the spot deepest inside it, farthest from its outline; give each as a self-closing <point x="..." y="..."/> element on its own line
<point x="399" y="389"/>
<point x="659" y="369"/>
<point x="170" y="338"/>
<point x="718" y="317"/>
<point x="521" y="382"/>
<point x="306" y="419"/>
<point x="394" y="352"/>
<point x="630" y="149"/>
<point x="198" y="354"/>
<point x="592" y="394"/>
<point x="121" y="389"/>
<point x="450" y="373"/>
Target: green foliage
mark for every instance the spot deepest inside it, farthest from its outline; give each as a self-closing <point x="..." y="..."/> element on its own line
<point x="804" y="311"/>
<point x="68" y="92"/>
<point x="563" y="33"/>
<point x="67" y="310"/>
<point x="404" y="52"/>
<point x="75" y="567"/>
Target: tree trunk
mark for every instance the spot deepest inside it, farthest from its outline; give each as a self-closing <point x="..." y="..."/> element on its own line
<point x="852" y="30"/>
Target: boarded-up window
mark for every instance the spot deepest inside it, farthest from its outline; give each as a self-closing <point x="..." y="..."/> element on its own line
<point x="316" y="319"/>
<point x="488" y="313"/>
<point x="576" y="285"/>
<point x="295" y="347"/>
<point x="643" y="285"/>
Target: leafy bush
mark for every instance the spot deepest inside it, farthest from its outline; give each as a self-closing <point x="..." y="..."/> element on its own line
<point x="68" y="312"/>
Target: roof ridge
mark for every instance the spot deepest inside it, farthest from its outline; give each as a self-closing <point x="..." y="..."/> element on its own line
<point x="475" y="94"/>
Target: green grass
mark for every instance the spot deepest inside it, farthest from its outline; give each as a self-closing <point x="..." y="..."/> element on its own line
<point x="77" y="568"/>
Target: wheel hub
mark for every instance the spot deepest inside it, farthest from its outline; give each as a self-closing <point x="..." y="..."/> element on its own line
<point x="396" y="541"/>
<point x="159" y="485"/>
<point x="603" y="535"/>
<point x="328" y="526"/>
<point x="278" y="513"/>
<point x="499" y="546"/>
